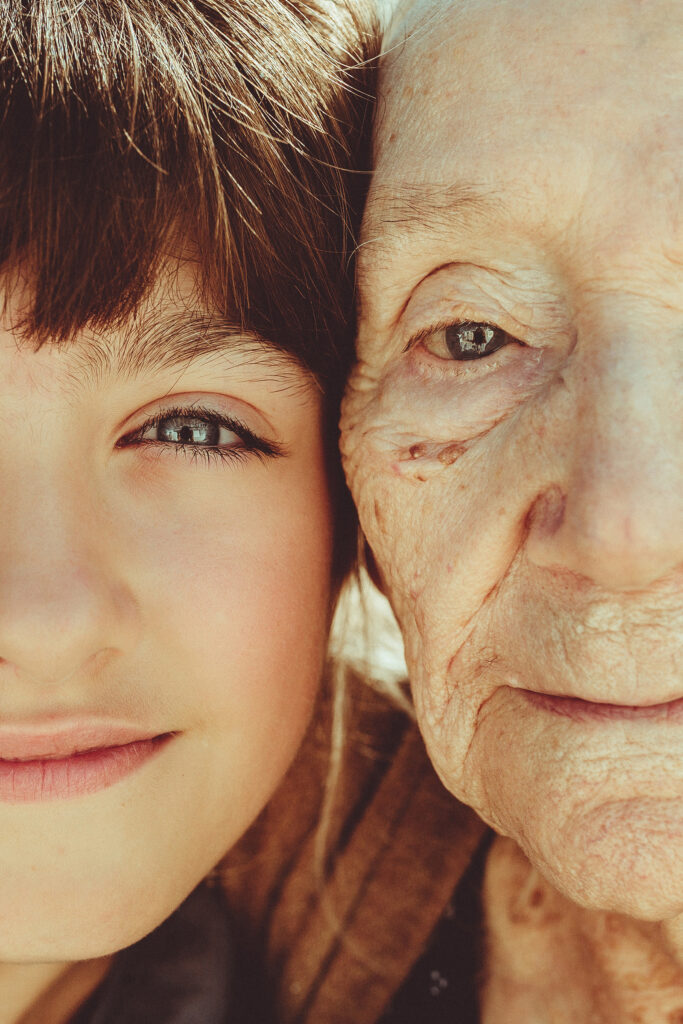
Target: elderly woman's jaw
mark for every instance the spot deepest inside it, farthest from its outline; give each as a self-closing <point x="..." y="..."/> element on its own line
<point x="513" y="430"/>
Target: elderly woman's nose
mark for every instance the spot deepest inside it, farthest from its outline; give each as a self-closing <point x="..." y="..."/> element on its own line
<point x="613" y="512"/>
<point x="60" y="605"/>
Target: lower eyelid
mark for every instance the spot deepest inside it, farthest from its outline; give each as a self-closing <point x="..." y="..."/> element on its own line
<point x="222" y="454"/>
<point x="195" y="452"/>
<point x="426" y="362"/>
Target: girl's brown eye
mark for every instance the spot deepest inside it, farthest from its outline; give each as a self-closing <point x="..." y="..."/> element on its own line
<point x="468" y="340"/>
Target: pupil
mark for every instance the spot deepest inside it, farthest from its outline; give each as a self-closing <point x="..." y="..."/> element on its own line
<point x="189" y="431"/>
<point x="472" y="341"/>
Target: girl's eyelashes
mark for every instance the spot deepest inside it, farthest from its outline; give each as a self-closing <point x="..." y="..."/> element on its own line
<point x="200" y="433"/>
<point x="464" y="340"/>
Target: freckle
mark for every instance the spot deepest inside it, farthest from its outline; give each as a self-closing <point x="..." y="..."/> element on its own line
<point x="422" y="479"/>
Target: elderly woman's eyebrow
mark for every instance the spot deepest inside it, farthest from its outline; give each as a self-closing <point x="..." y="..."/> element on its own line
<point x="162" y="341"/>
<point x="395" y="211"/>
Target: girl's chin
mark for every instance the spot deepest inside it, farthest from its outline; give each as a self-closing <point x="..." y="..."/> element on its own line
<point x="84" y="933"/>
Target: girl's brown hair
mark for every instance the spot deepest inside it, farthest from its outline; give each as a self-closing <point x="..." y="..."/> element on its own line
<point x="238" y="121"/>
<point x="238" y="125"/>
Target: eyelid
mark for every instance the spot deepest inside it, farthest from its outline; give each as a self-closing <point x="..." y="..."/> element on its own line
<point x="426" y="332"/>
<point x="465" y="292"/>
<point x="218" y="403"/>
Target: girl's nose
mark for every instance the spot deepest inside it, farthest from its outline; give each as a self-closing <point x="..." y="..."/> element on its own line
<point x="61" y="602"/>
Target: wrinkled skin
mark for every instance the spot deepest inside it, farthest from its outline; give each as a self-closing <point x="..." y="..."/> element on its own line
<point x="525" y="508"/>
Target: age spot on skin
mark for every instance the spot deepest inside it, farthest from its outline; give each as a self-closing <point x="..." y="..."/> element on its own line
<point x="446" y="454"/>
<point x="425" y="458"/>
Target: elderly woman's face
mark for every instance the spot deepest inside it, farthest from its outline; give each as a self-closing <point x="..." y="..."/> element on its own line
<point x="513" y="433"/>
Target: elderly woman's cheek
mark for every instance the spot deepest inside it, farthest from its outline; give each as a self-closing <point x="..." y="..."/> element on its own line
<point x="418" y="414"/>
<point x="440" y="501"/>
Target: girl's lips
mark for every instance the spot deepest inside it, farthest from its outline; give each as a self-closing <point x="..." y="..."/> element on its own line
<point x="71" y="762"/>
<point x="588" y="710"/>
<point x="54" y="738"/>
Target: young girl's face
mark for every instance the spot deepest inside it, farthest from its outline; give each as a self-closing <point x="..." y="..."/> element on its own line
<point x="164" y="599"/>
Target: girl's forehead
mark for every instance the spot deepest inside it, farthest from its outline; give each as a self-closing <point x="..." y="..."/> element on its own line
<point x="173" y="327"/>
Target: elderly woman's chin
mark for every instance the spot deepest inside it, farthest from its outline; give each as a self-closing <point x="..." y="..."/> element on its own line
<point x="591" y="791"/>
<point x="625" y="857"/>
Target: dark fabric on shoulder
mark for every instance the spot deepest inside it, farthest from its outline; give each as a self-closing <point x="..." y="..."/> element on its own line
<point x="442" y="988"/>
<point x="181" y="973"/>
<point x="337" y="941"/>
<point x="253" y="999"/>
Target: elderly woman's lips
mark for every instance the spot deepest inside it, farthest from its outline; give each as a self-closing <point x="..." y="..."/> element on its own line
<point x="585" y="710"/>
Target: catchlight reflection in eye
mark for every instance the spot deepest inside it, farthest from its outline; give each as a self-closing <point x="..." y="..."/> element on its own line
<point x="469" y="340"/>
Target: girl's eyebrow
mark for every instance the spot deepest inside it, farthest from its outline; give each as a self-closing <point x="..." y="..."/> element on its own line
<point x="163" y="341"/>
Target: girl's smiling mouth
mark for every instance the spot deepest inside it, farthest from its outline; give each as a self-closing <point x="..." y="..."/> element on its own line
<point x="73" y="760"/>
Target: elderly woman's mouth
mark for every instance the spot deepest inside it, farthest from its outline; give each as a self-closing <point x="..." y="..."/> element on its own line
<point x="584" y="710"/>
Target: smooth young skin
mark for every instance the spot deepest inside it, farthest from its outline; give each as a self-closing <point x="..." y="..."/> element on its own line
<point x="526" y="508"/>
<point x="156" y="584"/>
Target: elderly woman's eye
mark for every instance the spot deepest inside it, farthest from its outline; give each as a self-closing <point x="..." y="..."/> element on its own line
<point x="468" y="340"/>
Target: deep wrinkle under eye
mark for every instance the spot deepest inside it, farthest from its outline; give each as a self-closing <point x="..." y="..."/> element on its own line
<point x="251" y="443"/>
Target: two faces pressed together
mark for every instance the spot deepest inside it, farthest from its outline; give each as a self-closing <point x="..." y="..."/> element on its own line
<point x="511" y="436"/>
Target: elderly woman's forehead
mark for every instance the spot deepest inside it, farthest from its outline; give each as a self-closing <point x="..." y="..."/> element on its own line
<point x="472" y="71"/>
<point x="400" y="18"/>
<point x="486" y="30"/>
<point x="517" y="134"/>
